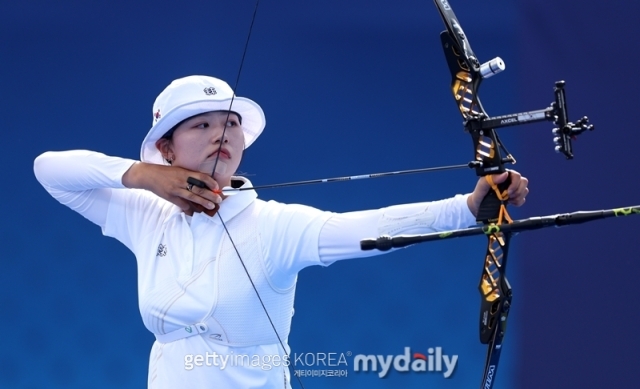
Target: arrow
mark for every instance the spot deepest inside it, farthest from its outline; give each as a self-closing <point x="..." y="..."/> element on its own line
<point x="228" y="191"/>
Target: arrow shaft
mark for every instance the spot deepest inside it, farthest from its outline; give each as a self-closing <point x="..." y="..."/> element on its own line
<point x="352" y="178"/>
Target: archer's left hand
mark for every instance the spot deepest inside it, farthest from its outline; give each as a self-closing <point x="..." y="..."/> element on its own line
<point x="518" y="190"/>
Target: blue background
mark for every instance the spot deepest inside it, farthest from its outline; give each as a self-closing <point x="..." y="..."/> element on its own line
<point x="348" y="88"/>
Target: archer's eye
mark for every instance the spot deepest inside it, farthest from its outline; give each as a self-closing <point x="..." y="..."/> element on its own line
<point x="203" y="125"/>
<point x="231" y="123"/>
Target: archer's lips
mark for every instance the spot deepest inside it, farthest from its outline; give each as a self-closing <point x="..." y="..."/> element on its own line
<point x="224" y="154"/>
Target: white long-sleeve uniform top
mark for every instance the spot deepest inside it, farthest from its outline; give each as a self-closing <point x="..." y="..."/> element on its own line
<point x="189" y="271"/>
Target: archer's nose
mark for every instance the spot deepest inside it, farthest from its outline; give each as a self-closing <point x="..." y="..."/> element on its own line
<point x="220" y="139"/>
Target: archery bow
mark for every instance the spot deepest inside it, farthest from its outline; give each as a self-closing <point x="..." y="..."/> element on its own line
<point x="467" y="73"/>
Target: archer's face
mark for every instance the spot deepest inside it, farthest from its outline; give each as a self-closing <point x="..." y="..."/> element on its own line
<point x="196" y="142"/>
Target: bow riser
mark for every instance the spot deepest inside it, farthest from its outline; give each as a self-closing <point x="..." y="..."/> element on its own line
<point x="464" y="86"/>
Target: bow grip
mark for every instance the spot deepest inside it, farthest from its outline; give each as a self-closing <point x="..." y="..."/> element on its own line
<point x="490" y="206"/>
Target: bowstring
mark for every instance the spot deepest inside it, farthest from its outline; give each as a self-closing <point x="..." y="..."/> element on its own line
<point x="224" y="130"/>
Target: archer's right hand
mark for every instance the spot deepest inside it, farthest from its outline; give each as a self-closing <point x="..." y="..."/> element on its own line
<point x="170" y="183"/>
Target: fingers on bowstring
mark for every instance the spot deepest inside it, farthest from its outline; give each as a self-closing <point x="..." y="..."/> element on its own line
<point x="203" y="179"/>
<point x="208" y="184"/>
<point x="201" y="196"/>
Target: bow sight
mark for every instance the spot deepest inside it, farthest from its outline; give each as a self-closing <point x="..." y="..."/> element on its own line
<point x="564" y="133"/>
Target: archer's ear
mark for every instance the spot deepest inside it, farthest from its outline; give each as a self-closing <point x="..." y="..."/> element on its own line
<point x="164" y="146"/>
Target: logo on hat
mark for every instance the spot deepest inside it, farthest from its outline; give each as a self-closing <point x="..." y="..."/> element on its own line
<point x="157" y="115"/>
<point x="209" y="91"/>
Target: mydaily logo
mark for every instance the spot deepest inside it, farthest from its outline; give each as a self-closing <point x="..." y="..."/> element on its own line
<point x="432" y="362"/>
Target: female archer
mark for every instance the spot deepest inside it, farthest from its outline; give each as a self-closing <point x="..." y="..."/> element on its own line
<point x="217" y="273"/>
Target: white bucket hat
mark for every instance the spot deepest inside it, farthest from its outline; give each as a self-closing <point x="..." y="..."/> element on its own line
<point x="193" y="95"/>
